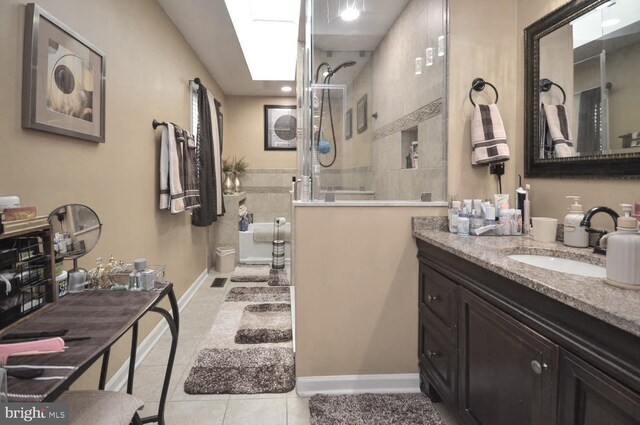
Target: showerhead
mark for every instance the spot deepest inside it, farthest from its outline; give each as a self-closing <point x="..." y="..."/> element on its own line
<point x="342" y="65"/>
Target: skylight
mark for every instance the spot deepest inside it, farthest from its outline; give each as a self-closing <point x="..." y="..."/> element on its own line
<point x="268" y="35"/>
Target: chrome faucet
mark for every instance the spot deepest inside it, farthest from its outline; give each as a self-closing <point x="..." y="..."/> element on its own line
<point x="586" y="222"/>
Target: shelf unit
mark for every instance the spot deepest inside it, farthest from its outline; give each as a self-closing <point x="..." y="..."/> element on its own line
<point x="27" y="263"/>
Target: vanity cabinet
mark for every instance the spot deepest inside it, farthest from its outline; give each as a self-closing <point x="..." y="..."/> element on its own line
<point x="590" y="397"/>
<point x="499" y="353"/>
<point x="507" y="371"/>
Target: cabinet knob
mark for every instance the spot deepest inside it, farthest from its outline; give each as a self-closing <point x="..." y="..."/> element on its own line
<point x="432" y="354"/>
<point x="431" y="298"/>
<point x="537" y="367"/>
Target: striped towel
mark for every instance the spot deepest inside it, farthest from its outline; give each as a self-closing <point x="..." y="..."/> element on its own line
<point x="488" y="138"/>
<point x="178" y="184"/>
<point x="558" y="126"/>
<point x="190" y="181"/>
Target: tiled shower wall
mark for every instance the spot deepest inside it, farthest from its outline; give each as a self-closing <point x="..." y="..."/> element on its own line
<point x="268" y="194"/>
<point x="405" y="101"/>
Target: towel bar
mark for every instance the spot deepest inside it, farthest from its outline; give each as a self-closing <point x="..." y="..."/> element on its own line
<point x="155" y="123"/>
<point x="545" y="86"/>
<point x="478" y="84"/>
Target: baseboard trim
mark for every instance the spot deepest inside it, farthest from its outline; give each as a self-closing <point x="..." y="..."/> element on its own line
<point x="358" y="384"/>
<point x="118" y="380"/>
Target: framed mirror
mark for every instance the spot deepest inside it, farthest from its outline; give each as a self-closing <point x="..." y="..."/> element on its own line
<point x="582" y="91"/>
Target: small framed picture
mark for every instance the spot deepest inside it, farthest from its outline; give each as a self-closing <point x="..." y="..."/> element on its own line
<point x="280" y="127"/>
<point x="63" y="78"/>
<point x="362" y="114"/>
<point x="348" y="124"/>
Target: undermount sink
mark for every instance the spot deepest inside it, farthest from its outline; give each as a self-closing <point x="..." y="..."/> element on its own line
<point x="561" y="265"/>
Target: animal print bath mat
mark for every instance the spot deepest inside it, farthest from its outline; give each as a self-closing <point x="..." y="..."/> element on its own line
<point x="258" y="294"/>
<point x="251" y="273"/>
<point x="264" y="323"/>
<point x="278" y="277"/>
<point x="373" y="409"/>
<point x="237" y="371"/>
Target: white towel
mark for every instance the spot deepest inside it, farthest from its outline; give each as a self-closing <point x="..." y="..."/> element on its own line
<point x="488" y="137"/>
<point x="559" y="129"/>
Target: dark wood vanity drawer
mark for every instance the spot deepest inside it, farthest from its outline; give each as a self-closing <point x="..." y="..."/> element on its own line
<point x="439" y="300"/>
<point x="438" y="360"/>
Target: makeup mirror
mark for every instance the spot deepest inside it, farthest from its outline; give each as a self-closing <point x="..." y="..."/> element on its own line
<point x="77" y="231"/>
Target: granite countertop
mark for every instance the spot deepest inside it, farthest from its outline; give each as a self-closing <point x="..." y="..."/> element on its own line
<point x="591" y="295"/>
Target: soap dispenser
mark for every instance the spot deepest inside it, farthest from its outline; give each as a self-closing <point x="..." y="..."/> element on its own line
<point x="574" y="234"/>
<point x="623" y="252"/>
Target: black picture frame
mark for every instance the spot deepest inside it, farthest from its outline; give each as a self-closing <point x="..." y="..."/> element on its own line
<point x="63" y="79"/>
<point x="361" y="110"/>
<point x="348" y="124"/>
<point x="280" y="128"/>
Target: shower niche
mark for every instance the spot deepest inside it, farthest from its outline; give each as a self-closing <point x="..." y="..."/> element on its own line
<point x="409" y="156"/>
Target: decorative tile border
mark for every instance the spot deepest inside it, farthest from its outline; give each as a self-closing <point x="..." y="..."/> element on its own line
<point x="266" y="189"/>
<point x="429" y="110"/>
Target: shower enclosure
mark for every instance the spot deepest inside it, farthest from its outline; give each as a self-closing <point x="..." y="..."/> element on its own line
<point x="372" y="100"/>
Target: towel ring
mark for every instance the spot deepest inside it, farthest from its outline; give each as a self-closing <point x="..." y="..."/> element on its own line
<point x="545" y="86"/>
<point x="478" y="84"/>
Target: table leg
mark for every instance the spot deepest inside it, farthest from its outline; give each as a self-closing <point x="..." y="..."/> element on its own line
<point x="132" y="357"/>
<point x="104" y="369"/>
<point x="172" y="321"/>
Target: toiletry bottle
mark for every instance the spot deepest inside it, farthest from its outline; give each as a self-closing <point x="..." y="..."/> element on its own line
<point x="490" y="216"/>
<point x="526" y="213"/>
<point x="505" y="220"/>
<point x="521" y="195"/>
<point x="476" y="221"/>
<point x="453" y="216"/>
<point x="516" y="222"/>
<point x="623" y="251"/>
<point x="463" y="222"/>
<point x="574" y="234"/>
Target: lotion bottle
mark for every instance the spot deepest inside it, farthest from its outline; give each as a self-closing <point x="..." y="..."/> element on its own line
<point x="574" y="234"/>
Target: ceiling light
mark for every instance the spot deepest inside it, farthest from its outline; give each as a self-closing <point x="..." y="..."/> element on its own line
<point x="268" y="34"/>
<point x="350" y="14"/>
<point x="286" y="89"/>
<point x="610" y="22"/>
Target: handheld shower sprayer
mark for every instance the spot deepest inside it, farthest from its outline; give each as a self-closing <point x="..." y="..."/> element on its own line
<point x="323" y="144"/>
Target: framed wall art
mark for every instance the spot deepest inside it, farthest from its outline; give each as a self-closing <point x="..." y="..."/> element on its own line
<point x="63" y="81"/>
<point x="362" y="114"/>
<point x="348" y="124"/>
<point x="280" y="126"/>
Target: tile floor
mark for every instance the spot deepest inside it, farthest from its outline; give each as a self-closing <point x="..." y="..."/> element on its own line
<point x="213" y="409"/>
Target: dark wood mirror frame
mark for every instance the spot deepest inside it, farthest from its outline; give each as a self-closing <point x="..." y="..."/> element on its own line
<point x="600" y="166"/>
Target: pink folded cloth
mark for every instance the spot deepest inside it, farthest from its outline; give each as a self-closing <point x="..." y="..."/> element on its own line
<point x="43" y="346"/>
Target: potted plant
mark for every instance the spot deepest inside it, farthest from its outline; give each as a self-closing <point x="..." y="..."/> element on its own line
<point x="239" y="169"/>
<point x="228" y="186"/>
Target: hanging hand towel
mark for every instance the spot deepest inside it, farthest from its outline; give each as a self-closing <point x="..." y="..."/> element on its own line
<point x="488" y="138"/>
<point x="172" y="164"/>
<point x="188" y="165"/>
<point x="558" y="126"/>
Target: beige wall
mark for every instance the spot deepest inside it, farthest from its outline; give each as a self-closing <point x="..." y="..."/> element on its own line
<point x="548" y="195"/>
<point x="244" y="131"/>
<point x="482" y="43"/>
<point x="356" y="277"/>
<point x="148" y="69"/>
